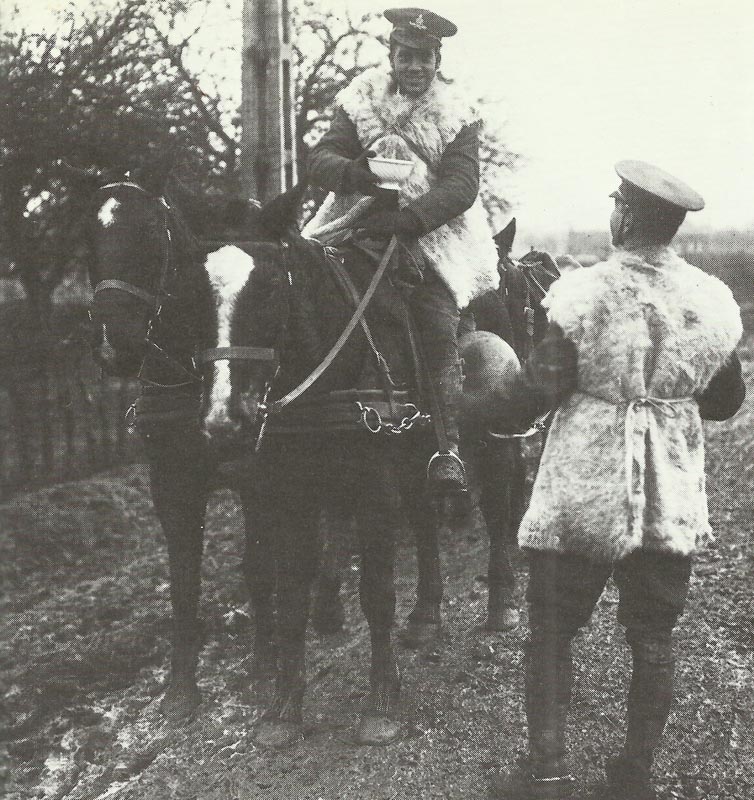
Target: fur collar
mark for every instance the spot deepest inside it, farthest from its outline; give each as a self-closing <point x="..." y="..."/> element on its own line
<point x="374" y="104"/>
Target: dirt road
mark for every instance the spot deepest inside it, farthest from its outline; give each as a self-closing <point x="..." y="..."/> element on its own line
<point x="84" y="644"/>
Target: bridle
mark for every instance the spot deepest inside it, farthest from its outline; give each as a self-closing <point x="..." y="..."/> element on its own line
<point x="157" y="299"/>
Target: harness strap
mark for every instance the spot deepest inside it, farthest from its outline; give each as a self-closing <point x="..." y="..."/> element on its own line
<point x="236" y="353"/>
<point x="278" y="405"/>
<point x="346" y="284"/>
<point x="129" y="288"/>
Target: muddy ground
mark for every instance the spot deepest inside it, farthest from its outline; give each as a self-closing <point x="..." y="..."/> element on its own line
<point x="84" y="643"/>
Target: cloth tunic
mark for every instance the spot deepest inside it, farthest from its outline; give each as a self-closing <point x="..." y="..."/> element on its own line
<point x="623" y="467"/>
<point x="438" y="131"/>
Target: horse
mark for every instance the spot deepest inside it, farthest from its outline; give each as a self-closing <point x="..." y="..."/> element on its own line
<point x="157" y="289"/>
<point x="513" y="312"/>
<point x="317" y="454"/>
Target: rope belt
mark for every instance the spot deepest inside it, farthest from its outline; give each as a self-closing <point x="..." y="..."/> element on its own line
<point x="637" y="422"/>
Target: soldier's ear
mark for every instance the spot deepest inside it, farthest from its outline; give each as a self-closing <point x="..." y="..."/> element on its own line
<point x="628" y="223"/>
<point x="438" y="58"/>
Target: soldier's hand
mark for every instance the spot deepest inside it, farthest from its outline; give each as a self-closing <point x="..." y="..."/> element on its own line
<point x="357" y="176"/>
<point x="552" y="366"/>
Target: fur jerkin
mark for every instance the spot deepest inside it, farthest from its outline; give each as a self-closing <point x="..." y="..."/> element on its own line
<point x="461" y="251"/>
<point x="645" y="325"/>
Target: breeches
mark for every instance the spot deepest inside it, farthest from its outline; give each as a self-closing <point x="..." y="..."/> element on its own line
<point x="564" y="589"/>
<point x="436" y="316"/>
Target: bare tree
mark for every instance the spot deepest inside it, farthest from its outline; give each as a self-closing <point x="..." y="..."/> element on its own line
<point x="107" y="90"/>
<point x="331" y="49"/>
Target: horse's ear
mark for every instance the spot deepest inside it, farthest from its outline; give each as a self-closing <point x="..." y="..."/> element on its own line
<point x="279" y="214"/>
<point x="504" y="239"/>
<point x="153" y="172"/>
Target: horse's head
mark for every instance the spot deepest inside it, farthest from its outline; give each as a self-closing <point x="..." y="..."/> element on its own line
<point x="134" y="257"/>
<point x="251" y="290"/>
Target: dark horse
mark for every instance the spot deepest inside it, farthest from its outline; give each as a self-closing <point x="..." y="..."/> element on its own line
<point x="315" y="456"/>
<point x="514" y="313"/>
<point x="154" y="308"/>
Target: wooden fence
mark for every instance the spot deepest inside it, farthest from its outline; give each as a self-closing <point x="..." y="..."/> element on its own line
<point x="60" y="419"/>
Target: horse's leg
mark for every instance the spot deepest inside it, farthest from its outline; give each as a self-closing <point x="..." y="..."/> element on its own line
<point x="179" y="477"/>
<point x="297" y="547"/>
<point x="425" y="620"/>
<point x="336" y="526"/>
<point x="497" y="465"/>
<point x="259" y="574"/>
<point x="377" y="521"/>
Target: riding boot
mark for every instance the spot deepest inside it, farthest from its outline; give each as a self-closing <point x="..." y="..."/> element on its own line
<point x="544" y="774"/>
<point x="649" y="700"/>
<point x="446" y="473"/>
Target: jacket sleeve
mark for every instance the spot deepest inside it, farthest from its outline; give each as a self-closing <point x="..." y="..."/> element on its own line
<point x="457" y="182"/>
<point x="330" y="157"/>
<point x="548" y="376"/>
<point x="725" y="393"/>
<point x="551" y="372"/>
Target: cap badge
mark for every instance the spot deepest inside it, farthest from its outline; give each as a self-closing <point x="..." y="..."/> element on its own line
<point x="419" y="23"/>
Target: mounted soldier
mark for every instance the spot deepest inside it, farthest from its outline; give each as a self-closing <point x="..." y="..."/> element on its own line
<point x="406" y="110"/>
<point x="639" y="350"/>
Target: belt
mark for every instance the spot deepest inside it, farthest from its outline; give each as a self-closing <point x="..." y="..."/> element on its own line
<point x="637" y="421"/>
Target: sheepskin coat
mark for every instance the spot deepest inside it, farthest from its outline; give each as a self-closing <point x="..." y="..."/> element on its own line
<point x="461" y="249"/>
<point x="623" y="467"/>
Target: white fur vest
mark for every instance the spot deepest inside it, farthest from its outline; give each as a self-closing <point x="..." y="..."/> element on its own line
<point x="623" y="467"/>
<point x="461" y="251"/>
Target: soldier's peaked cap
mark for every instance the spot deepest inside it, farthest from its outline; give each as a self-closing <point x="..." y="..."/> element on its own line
<point x="660" y="184"/>
<point x="418" y="28"/>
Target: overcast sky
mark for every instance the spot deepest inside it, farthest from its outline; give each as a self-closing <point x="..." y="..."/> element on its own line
<point x="585" y="83"/>
<point x="581" y="84"/>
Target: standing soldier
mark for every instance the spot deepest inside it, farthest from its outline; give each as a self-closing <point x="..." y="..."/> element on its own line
<point x="408" y="111"/>
<point x="639" y="350"/>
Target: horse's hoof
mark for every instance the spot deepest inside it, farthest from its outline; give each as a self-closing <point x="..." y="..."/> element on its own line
<point x="420" y="634"/>
<point x="277" y="734"/>
<point x="505" y="619"/>
<point x="377" y="730"/>
<point x="179" y="702"/>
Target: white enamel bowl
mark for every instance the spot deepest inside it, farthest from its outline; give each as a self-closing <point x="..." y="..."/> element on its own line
<point x="392" y="172"/>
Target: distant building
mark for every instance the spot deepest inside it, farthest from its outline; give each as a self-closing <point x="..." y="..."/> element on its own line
<point x="588" y="247"/>
<point x="714" y="243"/>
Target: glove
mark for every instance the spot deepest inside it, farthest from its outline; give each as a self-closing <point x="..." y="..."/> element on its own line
<point x="404" y="224"/>
<point x="552" y="368"/>
<point x="357" y="177"/>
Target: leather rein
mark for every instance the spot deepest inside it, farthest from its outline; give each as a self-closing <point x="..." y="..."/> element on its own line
<point x="278" y="405"/>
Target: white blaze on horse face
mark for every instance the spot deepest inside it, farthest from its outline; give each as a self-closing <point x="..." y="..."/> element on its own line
<point x="106" y="214"/>
<point x="228" y="269"/>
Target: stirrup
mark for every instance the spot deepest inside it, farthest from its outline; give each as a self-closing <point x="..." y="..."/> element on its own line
<point x="454" y="481"/>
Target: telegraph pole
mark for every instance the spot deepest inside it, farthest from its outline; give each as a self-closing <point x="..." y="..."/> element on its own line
<point x="268" y="141"/>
